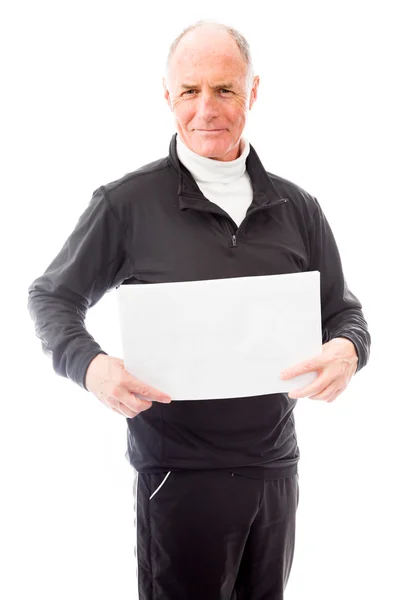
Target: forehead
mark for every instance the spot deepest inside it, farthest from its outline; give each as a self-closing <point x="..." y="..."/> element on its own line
<point x="207" y="53"/>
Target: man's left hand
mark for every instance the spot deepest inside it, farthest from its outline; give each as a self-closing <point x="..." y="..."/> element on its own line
<point x="336" y="365"/>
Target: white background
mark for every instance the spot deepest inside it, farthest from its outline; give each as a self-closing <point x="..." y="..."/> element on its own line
<point x="82" y="105"/>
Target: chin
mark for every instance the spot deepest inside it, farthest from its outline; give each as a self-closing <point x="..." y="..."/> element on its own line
<point x="211" y="148"/>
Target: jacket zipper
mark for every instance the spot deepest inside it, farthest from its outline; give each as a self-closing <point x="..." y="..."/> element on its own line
<point x="277" y="203"/>
<point x="234" y="236"/>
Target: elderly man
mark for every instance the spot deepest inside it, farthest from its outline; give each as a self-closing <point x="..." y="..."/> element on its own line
<point x="216" y="487"/>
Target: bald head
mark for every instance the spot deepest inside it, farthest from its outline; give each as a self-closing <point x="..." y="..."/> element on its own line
<point x="202" y="35"/>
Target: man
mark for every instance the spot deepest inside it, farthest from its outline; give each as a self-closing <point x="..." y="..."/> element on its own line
<point x="216" y="490"/>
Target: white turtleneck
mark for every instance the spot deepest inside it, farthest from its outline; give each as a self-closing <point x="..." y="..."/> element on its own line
<point x="224" y="183"/>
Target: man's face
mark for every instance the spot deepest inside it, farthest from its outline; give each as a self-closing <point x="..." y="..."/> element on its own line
<point x="208" y="91"/>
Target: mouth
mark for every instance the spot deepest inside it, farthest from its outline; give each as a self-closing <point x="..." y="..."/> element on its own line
<point x="210" y="130"/>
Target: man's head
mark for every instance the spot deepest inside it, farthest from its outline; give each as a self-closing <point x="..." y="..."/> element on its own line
<point x="210" y="87"/>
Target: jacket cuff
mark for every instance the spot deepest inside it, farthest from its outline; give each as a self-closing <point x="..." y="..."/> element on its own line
<point x="362" y="353"/>
<point x="80" y="374"/>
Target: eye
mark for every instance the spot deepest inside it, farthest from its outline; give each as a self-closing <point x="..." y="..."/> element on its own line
<point x="187" y="92"/>
<point x="225" y="90"/>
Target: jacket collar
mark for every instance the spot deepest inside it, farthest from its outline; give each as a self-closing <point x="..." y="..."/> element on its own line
<point x="191" y="196"/>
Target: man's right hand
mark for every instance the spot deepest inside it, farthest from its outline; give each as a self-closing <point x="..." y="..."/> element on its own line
<point x="110" y="382"/>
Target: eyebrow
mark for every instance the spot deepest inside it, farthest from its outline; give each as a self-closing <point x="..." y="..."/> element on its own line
<point x="227" y="86"/>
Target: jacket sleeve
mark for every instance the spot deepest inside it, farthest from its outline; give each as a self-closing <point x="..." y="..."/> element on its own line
<point x="341" y="311"/>
<point x="91" y="262"/>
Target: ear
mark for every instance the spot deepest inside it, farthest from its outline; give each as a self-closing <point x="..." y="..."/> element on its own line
<point x="254" y="90"/>
<point x="166" y="93"/>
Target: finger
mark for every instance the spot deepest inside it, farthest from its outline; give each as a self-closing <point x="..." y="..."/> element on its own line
<point x="313" y="364"/>
<point x="129" y="410"/>
<point x="141" y="389"/>
<point x="328" y="394"/>
<point x="316" y="387"/>
<point x="123" y="410"/>
<point x="336" y="395"/>
<point x="132" y="403"/>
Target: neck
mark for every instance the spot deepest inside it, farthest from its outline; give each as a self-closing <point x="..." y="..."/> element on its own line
<point x="210" y="170"/>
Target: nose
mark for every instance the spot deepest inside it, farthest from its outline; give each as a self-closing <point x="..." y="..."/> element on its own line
<point x="207" y="106"/>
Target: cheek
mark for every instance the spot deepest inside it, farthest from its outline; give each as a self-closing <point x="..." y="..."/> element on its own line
<point x="185" y="111"/>
<point x="235" y="112"/>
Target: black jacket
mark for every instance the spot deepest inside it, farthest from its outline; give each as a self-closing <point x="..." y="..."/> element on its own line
<point x="155" y="225"/>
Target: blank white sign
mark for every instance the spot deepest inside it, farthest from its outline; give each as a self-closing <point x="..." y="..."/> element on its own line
<point x="221" y="338"/>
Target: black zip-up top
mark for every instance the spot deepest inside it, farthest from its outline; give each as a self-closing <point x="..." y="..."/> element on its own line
<point x="155" y="225"/>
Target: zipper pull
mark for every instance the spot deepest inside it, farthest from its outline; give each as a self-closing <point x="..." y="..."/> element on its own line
<point x="234" y="240"/>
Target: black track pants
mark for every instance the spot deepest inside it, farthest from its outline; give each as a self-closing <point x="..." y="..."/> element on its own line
<point x="211" y="535"/>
